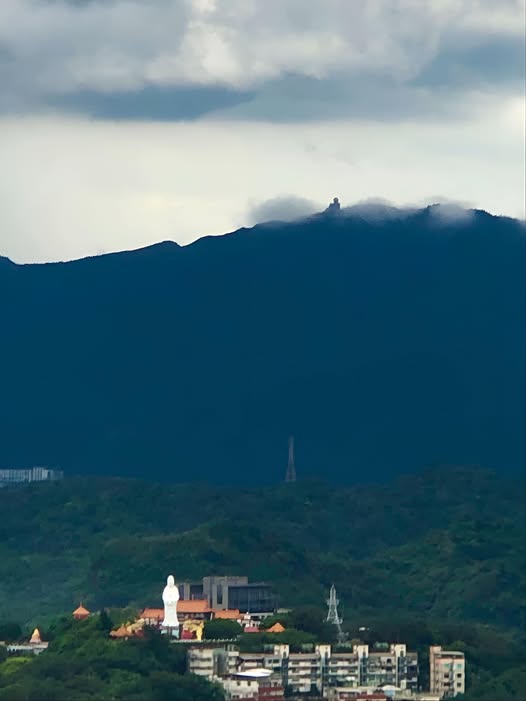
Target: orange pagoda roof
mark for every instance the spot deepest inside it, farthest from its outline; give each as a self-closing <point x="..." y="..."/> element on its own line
<point x="276" y="628"/>
<point x="81" y="612"/>
<point x="121" y="632"/>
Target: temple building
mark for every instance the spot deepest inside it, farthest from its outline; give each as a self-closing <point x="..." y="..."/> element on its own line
<point x="80" y="613"/>
<point x="195" y="610"/>
<point x="34" y="647"/>
<point x="276" y="628"/>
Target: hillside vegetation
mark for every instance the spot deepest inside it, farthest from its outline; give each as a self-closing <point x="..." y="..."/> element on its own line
<point x="83" y="664"/>
<point x="383" y="346"/>
<point x="447" y="543"/>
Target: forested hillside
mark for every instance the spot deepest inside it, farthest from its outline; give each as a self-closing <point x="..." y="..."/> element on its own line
<point x="383" y="345"/>
<point x="447" y="543"/>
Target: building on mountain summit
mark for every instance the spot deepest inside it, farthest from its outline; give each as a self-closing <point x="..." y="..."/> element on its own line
<point x="334" y="207"/>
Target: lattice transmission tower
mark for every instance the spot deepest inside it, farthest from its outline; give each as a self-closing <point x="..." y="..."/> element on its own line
<point x="290" y="475"/>
<point x="332" y="614"/>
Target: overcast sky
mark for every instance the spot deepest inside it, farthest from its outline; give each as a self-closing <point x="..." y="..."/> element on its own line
<point x="125" y="122"/>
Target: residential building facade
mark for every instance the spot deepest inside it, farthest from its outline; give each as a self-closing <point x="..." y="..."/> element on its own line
<point x="318" y="670"/>
<point x="30" y="474"/>
<point x="211" y="660"/>
<point x="447" y="672"/>
<point x="260" y="687"/>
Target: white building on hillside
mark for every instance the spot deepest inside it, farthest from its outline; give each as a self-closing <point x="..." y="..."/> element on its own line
<point x="447" y="672"/>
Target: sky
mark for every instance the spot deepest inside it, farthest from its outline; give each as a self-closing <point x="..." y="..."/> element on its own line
<point x="127" y="122"/>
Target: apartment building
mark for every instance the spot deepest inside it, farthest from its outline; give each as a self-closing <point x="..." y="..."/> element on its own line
<point x="212" y="660"/>
<point x="30" y="474"/>
<point x="307" y="672"/>
<point x="447" y="672"/>
<point x="237" y="689"/>
<point x="259" y="686"/>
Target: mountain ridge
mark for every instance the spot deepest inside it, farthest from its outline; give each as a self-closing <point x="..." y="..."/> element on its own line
<point x="383" y="347"/>
<point x="382" y="213"/>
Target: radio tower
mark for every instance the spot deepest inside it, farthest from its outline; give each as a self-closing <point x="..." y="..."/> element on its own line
<point x="290" y="475"/>
<point x="332" y="614"/>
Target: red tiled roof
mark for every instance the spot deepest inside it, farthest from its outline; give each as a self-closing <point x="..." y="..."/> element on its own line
<point x="193" y="606"/>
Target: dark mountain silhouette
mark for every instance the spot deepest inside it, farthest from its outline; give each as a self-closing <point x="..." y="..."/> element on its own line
<point x="383" y="344"/>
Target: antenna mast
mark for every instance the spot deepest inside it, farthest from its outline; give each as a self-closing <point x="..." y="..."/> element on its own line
<point x="332" y="614"/>
<point x="290" y="475"/>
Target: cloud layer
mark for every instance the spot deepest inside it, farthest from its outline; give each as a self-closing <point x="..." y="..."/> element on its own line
<point x="70" y="188"/>
<point x="125" y="122"/>
<point x="54" y="50"/>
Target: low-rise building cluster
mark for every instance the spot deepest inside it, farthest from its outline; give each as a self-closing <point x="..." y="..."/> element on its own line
<point x="335" y="674"/>
<point x="323" y="670"/>
<point x="348" y="670"/>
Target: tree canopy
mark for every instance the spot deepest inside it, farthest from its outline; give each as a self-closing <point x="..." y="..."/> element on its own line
<point x="83" y="663"/>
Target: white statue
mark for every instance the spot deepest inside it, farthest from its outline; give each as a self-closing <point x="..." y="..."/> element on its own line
<point x="170" y="599"/>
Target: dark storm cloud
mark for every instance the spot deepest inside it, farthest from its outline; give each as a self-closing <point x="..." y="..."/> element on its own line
<point x="152" y="103"/>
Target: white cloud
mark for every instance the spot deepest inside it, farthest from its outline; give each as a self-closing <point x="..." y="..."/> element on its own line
<point x="70" y="188"/>
<point x="283" y="208"/>
<point x="60" y="47"/>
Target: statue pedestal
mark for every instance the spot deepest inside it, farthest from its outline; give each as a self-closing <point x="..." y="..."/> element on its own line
<point x="174" y="632"/>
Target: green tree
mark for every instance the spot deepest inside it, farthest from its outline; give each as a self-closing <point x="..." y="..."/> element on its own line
<point x="10" y="631"/>
<point x="310" y="619"/>
<point x="221" y="629"/>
